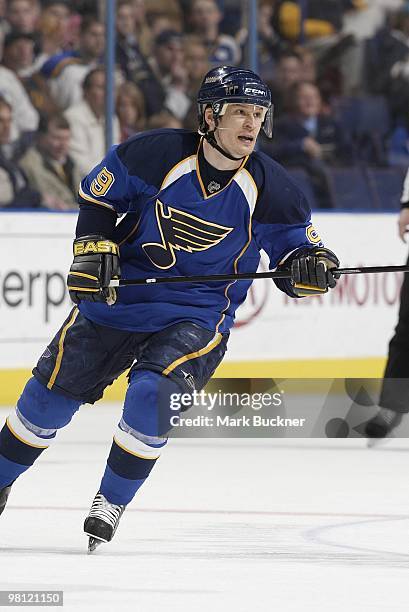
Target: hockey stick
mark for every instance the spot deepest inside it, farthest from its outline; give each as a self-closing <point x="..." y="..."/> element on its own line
<point x="246" y="276"/>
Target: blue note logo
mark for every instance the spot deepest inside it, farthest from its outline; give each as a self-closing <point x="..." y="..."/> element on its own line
<point x="181" y="231"/>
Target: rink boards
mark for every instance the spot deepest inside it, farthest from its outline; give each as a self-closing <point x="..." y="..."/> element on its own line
<point x="342" y="334"/>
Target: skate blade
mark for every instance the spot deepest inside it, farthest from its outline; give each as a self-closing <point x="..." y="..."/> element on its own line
<point x="93" y="543"/>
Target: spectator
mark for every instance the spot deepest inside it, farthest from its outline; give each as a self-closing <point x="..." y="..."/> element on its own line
<point x="25" y="116"/>
<point x="269" y="43"/>
<point x="18" y="53"/>
<point x="308" y="139"/>
<point x="197" y="65"/>
<point x="170" y="7"/>
<point x="49" y="168"/>
<point x="87" y="123"/>
<point x="288" y="72"/>
<point x="73" y="30"/>
<point x="308" y="64"/>
<point x="164" y="88"/>
<point x="19" y="57"/>
<point x="364" y="23"/>
<point x="4" y="25"/>
<point x="321" y="30"/>
<point x="388" y="62"/>
<point x="54" y="28"/>
<point x="323" y="138"/>
<point x="55" y="33"/>
<point x="68" y="73"/>
<point x="128" y="54"/>
<point x="327" y="81"/>
<point x="15" y="191"/>
<point x="204" y="18"/>
<point x="143" y="30"/>
<point x="60" y="9"/>
<point x="170" y="10"/>
<point x="159" y="22"/>
<point x="388" y="48"/>
<point x="130" y="108"/>
<point x="168" y="65"/>
<point x="163" y="120"/>
<point x="23" y="15"/>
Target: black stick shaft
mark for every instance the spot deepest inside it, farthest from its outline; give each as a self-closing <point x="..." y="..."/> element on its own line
<point x="244" y="276"/>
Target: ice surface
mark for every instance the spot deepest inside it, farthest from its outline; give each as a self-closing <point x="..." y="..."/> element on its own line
<point x="232" y="525"/>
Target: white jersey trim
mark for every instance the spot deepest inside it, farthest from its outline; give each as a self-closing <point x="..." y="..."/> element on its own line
<point x="184" y="167"/>
<point x="246" y="183"/>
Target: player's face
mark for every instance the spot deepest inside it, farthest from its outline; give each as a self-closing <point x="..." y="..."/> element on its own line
<point x="239" y="127"/>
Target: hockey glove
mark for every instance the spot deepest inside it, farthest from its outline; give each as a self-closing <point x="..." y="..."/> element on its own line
<point x="311" y="272"/>
<point x="96" y="263"/>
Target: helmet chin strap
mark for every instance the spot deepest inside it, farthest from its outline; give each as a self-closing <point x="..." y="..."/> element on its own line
<point x="211" y="139"/>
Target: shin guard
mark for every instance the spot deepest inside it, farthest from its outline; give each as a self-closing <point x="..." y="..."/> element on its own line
<point x="138" y="439"/>
<point x="31" y="428"/>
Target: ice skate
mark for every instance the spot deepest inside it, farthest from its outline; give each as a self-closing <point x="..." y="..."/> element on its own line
<point x="4" y="493"/>
<point x="102" y="521"/>
<point x="381" y="426"/>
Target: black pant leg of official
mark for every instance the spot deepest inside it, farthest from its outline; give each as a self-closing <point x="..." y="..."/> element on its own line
<point x="395" y="385"/>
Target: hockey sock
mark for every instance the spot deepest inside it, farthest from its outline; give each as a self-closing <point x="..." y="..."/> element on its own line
<point x="21" y="443"/>
<point x="139" y="437"/>
<point x="127" y="469"/>
<point x="31" y="428"/>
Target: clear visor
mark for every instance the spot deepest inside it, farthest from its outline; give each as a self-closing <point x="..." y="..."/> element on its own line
<point x="267" y="116"/>
<point x="268" y="122"/>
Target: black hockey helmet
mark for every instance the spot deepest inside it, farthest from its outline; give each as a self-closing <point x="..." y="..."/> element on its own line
<point x="232" y="85"/>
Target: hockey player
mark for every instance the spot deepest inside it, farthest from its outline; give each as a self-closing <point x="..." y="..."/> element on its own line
<point x="192" y="204"/>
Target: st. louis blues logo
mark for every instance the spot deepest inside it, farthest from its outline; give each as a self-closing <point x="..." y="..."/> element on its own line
<point x="181" y="231"/>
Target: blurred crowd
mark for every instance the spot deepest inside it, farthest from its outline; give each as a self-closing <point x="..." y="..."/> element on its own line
<point x="338" y="71"/>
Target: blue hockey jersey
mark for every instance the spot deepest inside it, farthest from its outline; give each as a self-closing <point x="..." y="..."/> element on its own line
<point x="172" y="227"/>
